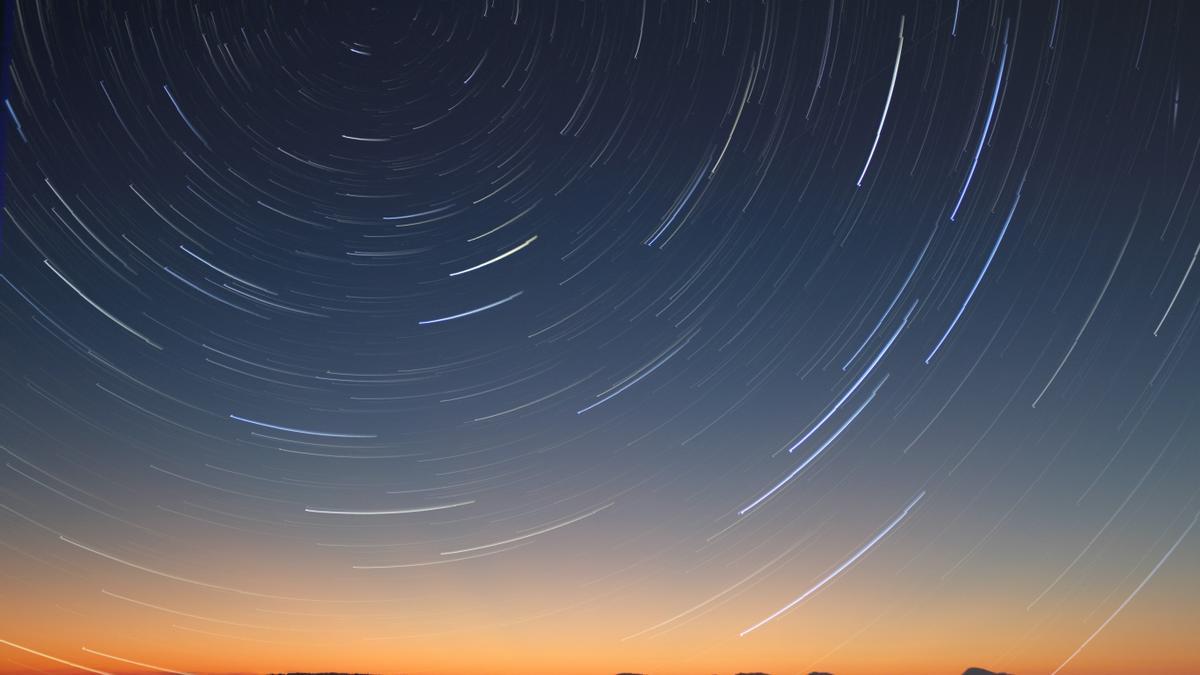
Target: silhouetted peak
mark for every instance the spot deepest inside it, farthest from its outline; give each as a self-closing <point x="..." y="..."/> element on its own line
<point x="980" y="671"/>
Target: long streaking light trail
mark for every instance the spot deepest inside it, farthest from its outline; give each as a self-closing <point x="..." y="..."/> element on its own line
<point x="498" y="258"/>
<point x="325" y="434"/>
<point x="529" y="535"/>
<point x="857" y="383"/>
<point x="987" y="125"/>
<point x="817" y="453"/>
<point x="389" y="512"/>
<point x="840" y="568"/>
<point x="1130" y="596"/>
<point x="886" y="105"/>
<point x="471" y="311"/>
<point x="978" y="279"/>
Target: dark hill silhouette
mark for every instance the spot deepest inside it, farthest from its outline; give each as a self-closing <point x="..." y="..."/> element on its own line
<point x="980" y="671"/>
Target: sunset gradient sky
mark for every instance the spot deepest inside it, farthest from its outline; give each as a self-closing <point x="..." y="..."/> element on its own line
<point x="585" y="337"/>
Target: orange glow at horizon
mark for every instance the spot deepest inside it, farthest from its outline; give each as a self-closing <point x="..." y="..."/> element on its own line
<point x="432" y="624"/>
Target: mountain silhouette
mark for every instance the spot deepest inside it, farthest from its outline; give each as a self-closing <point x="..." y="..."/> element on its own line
<point x="980" y="671"/>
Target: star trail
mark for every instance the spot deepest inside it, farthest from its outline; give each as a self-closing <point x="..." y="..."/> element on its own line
<point x="591" y="337"/>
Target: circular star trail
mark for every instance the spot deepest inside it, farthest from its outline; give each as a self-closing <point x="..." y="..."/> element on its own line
<point x="585" y="336"/>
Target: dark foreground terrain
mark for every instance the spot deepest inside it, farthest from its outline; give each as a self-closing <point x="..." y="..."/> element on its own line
<point x="967" y="671"/>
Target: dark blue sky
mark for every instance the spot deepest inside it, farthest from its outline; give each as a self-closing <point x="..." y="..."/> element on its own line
<point x="605" y="312"/>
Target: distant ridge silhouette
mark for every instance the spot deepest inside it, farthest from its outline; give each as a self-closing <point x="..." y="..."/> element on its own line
<point x="980" y="671"/>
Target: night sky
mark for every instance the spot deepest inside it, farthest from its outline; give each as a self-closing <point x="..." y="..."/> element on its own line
<point x="577" y="337"/>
